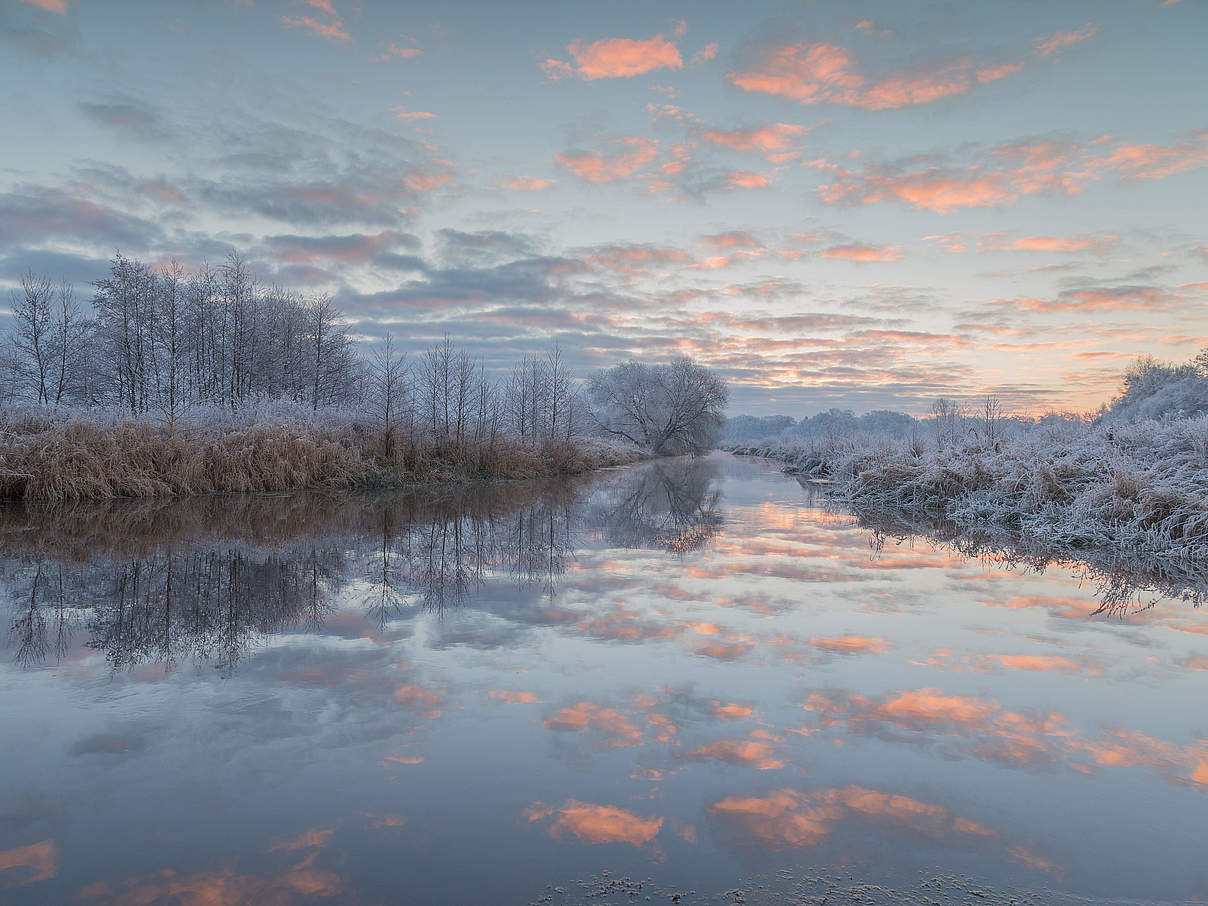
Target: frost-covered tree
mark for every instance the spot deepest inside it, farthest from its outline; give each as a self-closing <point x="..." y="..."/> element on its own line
<point x="667" y="409"/>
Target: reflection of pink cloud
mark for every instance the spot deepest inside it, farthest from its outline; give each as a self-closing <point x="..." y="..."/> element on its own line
<point x="594" y="823"/>
<point x="852" y="644"/>
<point x="994" y="733"/>
<point x="747" y="752"/>
<point x="788" y="818"/>
<point x="52" y="6"/>
<point x="621" y="732"/>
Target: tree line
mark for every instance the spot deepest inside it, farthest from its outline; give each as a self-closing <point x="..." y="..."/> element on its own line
<point x="164" y="342"/>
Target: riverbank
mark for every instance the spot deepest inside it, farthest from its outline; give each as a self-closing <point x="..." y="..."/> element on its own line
<point x="1140" y="489"/>
<point x="65" y="458"/>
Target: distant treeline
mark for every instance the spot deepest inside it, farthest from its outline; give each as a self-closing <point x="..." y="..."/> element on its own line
<point x="1149" y="389"/>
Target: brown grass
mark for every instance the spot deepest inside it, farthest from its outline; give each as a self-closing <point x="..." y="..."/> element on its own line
<point x="45" y="460"/>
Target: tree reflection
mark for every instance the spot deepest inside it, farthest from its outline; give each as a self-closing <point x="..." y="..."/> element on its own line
<point x="205" y="580"/>
<point x="674" y="505"/>
<point x="1121" y="578"/>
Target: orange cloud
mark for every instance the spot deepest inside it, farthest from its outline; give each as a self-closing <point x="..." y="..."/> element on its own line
<point x="616" y="58"/>
<point x="596" y="823"/>
<point x="28" y="864"/>
<point x="527" y="184"/>
<point x="863" y="253"/>
<point x="630" y="154"/>
<point x="1057" y="42"/>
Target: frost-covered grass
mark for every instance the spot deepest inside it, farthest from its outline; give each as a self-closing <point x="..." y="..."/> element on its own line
<point x="1139" y="489"/>
<point x="275" y="447"/>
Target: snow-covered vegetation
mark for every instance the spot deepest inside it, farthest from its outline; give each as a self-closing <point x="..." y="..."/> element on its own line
<point x="1133" y="478"/>
<point x="177" y="383"/>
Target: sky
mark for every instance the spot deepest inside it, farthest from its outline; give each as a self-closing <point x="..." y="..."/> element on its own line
<point x="854" y="204"/>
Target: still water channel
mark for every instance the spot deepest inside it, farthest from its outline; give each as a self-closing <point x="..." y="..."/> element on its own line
<point x="687" y="679"/>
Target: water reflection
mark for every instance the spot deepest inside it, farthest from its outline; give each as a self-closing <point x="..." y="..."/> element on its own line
<point x="683" y="670"/>
<point x="206" y="579"/>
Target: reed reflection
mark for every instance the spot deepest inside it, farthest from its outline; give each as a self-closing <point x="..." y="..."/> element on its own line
<point x="207" y="579"/>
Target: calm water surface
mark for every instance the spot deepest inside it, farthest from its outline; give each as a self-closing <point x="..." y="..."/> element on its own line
<point x="688" y="672"/>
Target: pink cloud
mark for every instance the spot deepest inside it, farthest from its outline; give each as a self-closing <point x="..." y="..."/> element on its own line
<point x="1063" y="243"/>
<point x="1117" y="298"/>
<point x="527" y="184"/>
<point x="706" y="53"/>
<point x="746" y="179"/>
<point x="394" y="52"/>
<point x="616" y="58"/>
<point x="1059" y="41"/>
<point x="994" y="73"/>
<point x="827" y="73"/>
<point x="51" y="6"/>
<point x="403" y="114"/>
<point x="761" y="139"/>
<point x="863" y="253"/>
<point x="1010" y="171"/>
<point x="630" y="155"/>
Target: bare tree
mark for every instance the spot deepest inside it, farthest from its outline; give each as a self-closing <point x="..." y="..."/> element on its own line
<point x="33" y="338"/>
<point x="675" y="408"/>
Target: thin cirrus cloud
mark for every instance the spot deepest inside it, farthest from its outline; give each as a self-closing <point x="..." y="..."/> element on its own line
<point x="1008" y="172"/>
<point x="1055" y="43"/>
<point x="328" y="25"/>
<point x="394" y="51"/>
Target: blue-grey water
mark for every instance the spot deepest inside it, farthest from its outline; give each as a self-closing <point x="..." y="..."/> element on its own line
<point x="690" y="675"/>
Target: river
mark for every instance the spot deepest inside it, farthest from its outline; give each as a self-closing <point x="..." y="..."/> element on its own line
<point x="688" y="681"/>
